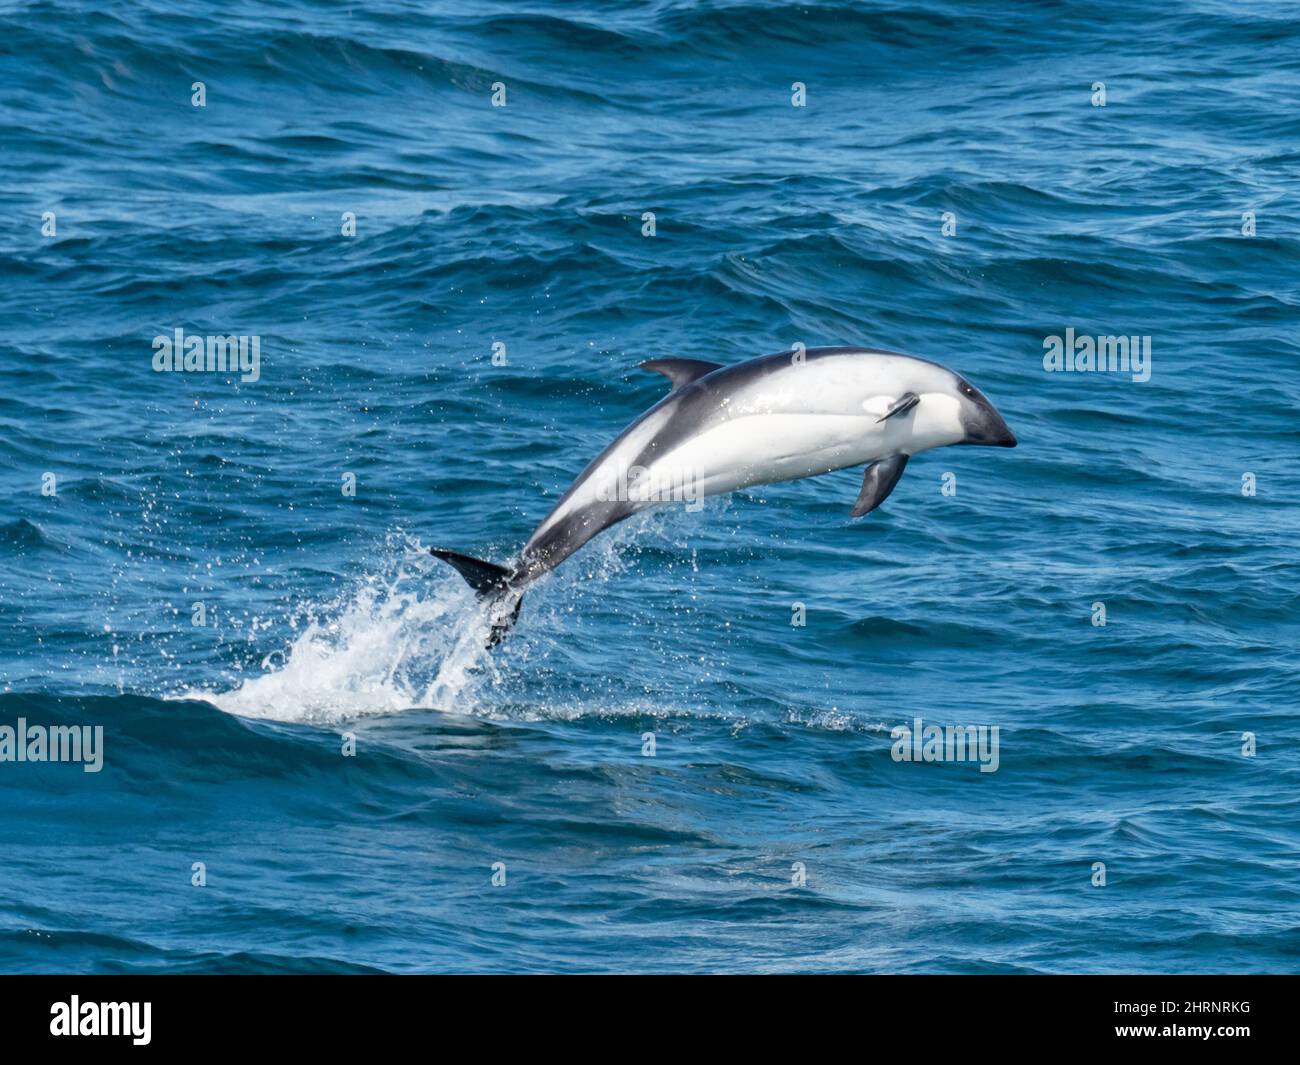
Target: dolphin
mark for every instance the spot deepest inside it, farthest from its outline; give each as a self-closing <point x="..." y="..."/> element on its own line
<point x="774" y="418"/>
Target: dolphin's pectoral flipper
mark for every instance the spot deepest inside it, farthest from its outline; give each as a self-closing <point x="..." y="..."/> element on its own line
<point x="681" y="372"/>
<point x="901" y="405"/>
<point x="491" y="582"/>
<point x="878" y="482"/>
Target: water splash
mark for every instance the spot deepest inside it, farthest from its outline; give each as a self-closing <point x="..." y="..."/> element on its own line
<point x="414" y="638"/>
<point x="412" y="635"/>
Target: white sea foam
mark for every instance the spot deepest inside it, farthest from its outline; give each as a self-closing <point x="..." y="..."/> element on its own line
<point x="412" y="635"/>
<point x="413" y="638"/>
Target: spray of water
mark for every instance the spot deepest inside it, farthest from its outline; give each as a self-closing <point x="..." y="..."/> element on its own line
<point x="412" y="637"/>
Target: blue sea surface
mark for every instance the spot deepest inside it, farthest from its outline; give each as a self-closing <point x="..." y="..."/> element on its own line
<point x="658" y="770"/>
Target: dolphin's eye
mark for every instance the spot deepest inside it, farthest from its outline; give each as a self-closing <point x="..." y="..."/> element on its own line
<point x="966" y="389"/>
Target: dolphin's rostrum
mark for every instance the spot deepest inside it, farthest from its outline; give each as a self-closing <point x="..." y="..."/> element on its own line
<point x="774" y="418"/>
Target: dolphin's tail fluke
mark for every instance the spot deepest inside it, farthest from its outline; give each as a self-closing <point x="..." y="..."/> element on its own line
<point x="490" y="582"/>
<point x="486" y="578"/>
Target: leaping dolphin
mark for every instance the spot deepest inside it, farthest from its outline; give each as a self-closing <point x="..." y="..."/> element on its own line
<point x="774" y="418"/>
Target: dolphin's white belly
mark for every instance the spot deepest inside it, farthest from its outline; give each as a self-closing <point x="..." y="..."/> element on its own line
<point x="800" y="421"/>
<point x="764" y="448"/>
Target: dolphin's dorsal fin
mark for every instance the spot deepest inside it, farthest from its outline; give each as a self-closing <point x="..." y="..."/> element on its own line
<point x="681" y="372"/>
<point x="878" y="482"/>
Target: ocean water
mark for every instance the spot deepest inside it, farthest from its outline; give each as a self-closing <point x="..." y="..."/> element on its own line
<point x="231" y="576"/>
